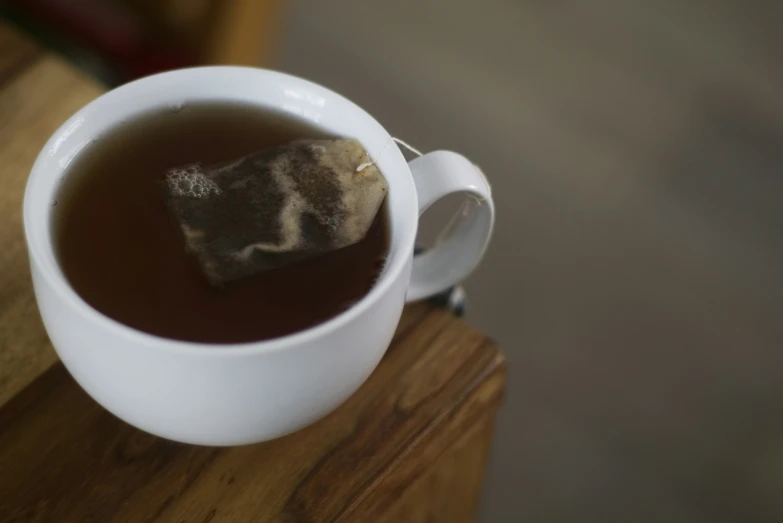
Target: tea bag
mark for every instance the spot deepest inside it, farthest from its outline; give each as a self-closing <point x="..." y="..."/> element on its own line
<point x="275" y="207"/>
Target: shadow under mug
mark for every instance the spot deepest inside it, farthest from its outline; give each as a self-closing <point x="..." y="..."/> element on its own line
<point x="249" y="392"/>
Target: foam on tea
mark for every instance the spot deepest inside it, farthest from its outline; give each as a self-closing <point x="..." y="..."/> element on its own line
<point x="275" y="207"/>
<point x="123" y="253"/>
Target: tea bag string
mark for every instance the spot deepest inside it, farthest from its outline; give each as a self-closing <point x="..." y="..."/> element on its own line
<point x="468" y="205"/>
<point x="471" y="199"/>
<point x="407" y="146"/>
<point x="394" y="140"/>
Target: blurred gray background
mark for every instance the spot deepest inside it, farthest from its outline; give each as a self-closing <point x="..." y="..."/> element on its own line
<point x="635" y="279"/>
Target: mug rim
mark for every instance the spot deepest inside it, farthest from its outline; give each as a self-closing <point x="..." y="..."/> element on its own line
<point x="56" y="280"/>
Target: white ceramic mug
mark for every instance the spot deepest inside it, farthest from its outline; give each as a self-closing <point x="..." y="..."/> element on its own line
<point x="249" y="392"/>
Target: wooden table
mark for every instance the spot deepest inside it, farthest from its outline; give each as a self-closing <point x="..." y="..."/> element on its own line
<point x="409" y="446"/>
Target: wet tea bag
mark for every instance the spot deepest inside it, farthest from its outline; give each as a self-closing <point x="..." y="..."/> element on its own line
<point x="275" y="207"/>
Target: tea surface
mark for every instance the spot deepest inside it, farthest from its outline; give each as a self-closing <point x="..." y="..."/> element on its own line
<point x="120" y="251"/>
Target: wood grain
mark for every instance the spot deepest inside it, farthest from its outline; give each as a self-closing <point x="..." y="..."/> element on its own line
<point x="66" y="459"/>
<point x="448" y="492"/>
<point x="417" y="430"/>
<point x="40" y="95"/>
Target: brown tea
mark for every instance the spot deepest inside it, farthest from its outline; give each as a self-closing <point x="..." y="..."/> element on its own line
<point x="121" y="252"/>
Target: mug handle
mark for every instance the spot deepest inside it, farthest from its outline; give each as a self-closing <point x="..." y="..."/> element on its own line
<point x="462" y="243"/>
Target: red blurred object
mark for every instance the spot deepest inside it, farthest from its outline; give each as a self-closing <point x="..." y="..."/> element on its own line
<point x="112" y="31"/>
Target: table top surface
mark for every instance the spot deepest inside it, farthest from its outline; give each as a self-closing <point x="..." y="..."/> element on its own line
<point x="64" y="458"/>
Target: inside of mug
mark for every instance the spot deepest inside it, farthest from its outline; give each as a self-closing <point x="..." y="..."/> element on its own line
<point x="268" y="90"/>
